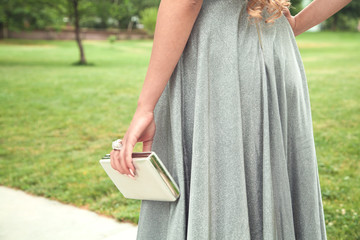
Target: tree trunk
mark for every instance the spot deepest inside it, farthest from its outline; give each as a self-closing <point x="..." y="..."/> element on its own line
<point x="77" y="32"/>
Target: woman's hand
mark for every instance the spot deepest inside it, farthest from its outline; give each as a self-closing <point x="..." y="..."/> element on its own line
<point x="291" y="19"/>
<point x="141" y="129"/>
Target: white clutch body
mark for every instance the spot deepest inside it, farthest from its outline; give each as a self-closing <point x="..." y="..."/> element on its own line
<point x="152" y="180"/>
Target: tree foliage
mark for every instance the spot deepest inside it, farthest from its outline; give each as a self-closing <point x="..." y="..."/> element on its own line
<point x="41" y="14"/>
<point x="148" y="18"/>
<point x="30" y="14"/>
<point x="296" y="7"/>
<point x="346" y="19"/>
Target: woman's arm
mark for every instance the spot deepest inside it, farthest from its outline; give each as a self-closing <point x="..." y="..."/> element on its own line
<point x="314" y="13"/>
<point x="174" y="23"/>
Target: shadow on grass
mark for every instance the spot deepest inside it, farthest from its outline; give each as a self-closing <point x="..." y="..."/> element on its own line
<point x="79" y="63"/>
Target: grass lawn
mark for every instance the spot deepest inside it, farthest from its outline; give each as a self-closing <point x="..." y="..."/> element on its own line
<point x="58" y="120"/>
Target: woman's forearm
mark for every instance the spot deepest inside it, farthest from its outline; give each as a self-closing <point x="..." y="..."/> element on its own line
<point x="316" y="12"/>
<point x="174" y="23"/>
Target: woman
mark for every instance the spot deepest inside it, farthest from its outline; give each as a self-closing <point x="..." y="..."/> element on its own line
<point x="230" y="103"/>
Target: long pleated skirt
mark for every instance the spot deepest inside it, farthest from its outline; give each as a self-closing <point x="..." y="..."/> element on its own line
<point x="234" y="129"/>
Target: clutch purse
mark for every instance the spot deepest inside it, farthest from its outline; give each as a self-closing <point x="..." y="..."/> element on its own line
<point x="152" y="180"/>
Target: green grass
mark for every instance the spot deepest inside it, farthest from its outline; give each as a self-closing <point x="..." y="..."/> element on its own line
<point x="57" y="120"/>
<point x="332" y="65"/>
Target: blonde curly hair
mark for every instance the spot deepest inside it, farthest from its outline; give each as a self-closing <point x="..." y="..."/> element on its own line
<point x="273" y="7"/>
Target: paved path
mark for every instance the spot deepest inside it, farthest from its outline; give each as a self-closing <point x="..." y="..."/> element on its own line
<point x="23" y="216"/>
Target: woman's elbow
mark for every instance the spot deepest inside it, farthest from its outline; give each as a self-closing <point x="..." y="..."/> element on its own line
<point x="193" y="3"/>
<point x="189" y="5"/>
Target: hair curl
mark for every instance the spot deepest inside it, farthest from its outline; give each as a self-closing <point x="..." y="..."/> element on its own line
<point x="273" y="7"/>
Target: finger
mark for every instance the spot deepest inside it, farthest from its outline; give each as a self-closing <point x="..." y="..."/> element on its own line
<point x="286" y="13"/>
<point x="147" y="145"/>
<point x="112" y="161"/>
<point x="123" y="159"/>
<point x="117" y="162"/>
<point x="128" y="157"/>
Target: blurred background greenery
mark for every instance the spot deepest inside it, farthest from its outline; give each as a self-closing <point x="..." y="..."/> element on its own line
<point x="44" y="14"/>
<point x="57" y="119"/>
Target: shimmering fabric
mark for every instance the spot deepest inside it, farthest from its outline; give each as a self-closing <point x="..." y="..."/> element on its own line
<point x="234" y="129"/>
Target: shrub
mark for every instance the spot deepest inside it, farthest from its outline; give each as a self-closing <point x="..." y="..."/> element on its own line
<point x="111" y="39"/>
<point x="148" y="19"/>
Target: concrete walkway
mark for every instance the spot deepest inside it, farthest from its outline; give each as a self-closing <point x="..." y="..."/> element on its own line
<point x="23" y="216"/>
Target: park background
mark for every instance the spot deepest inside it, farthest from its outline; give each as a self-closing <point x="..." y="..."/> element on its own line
<point x="71" y="72"/>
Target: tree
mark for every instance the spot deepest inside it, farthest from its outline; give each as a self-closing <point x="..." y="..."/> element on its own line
<point x="74" y="10"/>
<point x="28" y="15"/>
<point x="342" y="19"/>
<point x="39" y="14"/>
<point x="123" y="10"/>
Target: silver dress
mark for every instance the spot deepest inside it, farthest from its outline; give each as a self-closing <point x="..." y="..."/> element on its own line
<point x="234" y="128"/>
